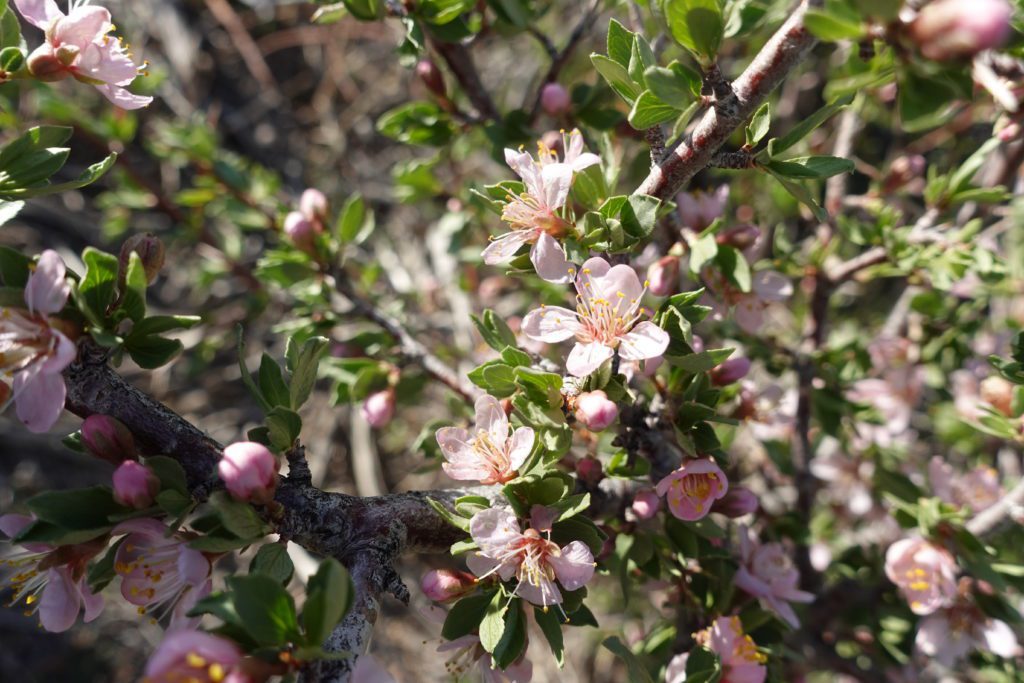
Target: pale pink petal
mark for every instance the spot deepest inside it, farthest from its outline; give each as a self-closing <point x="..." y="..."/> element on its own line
<point x="935" y="639"/>
<point x="644" y="341"/>
<point x="178" y="645"/>
<point x="480" y="564"/>
<point x="556" y="180"/>
<point x="542" y="518"/>
<point x="369" y="670"/>
<point x="40" y="402"/>
<point x="59" y="602"/>
<point x="13" y="524"/>
<point x="62" y="357"/>
<point x="122" y="98"/>
<point x="39" y="13"/>
<point x="491" y="418"/>
<point x="549" y="260"/>
<point x="782" y="608"/>
<point x="550" y="324"/>
<point x="493" y="530"/>
<point x="545" y="593"/>
<point x="518" y="161"/>
<point x="999" y="639"/>
<point x="620" y="285"/>
<point x="504" y="247"/>
<point x="586" y="358"/>
<point x="467" y="469"/>
<point x="520" y="447"/>
<point x="81" y="27"/>
<point x="519" y="672"/>
<point x="585" y="160"/>
<point x="749" y="314"/>
<point x="676" y="671"/>
<point x="454" y="442"/>
<point x="749" y="583"/>
<point x="575" y="566"/>
<point x="771" y="286"/>
<point x="189" y="598"/>
<point x="193" y="567"/>
<point x="47" y="288"/>
<point x="93" y="602"/>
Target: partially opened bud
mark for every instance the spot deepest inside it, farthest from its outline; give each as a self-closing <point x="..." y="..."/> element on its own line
<point x="249" y="472"/>
<point x="301" y="231"/>
<point x="431" y="77"/>
<point x="313" y="204"/>
<point x="108" y="439"/>
<point x="738" y="501"/>
<point x="589" y="471"/>
<point x="730" y="371"/>
<point x="379" y="408"/>
<point x="151" y="253"/>
<point x="44" y="64"/>
<point x="595" y="411"/>
<point x="135" y="485"/>
<point x="663" y="276"/>
<point x="741" y="237"/>
<point x="444" y="585"/>
<point x="998" y="392"/>
<point x="555" y="100"/>
<point x="646" y="504"/>
<point x="951" y="29"/>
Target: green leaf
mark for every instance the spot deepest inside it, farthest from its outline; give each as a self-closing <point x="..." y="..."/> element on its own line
<point x="492" y="626"/>
<point x="513" y="639"/>
<point x="285" y="426"/>
<point x="239" y="518"/>
<point x="639" y="215"/>
<point x="466" y="614"/>
<point x="247" y="379"/>
<point x="803" y="195"/>
<point x="703" y="666"/>
<point x="778" y="145"/>
<point x="329" y="596"/>
<point x="617" y="77"/>
<point x="169" y="472"/>
<point x="265" y="609"/>
<point x="101" y="573"/>
<point x="159" y="324"/>
<point x="15" y="267"/>
<point x="272" y="560"/>
<point x="366" y="10"/>
<point x="495" y="331"/>
<point x="417" y="123"/>
<point x="98" y="285"/>
<point x="811" y="167"/>
<point x="837" y="21"/>
<point x="152" y="351"/>
<point x="87" y="177"/>
<point x="133" y="301"/>
<point x="697" y="25"/>
<point x="637" y="672"/>
<point x="759" y="124"/>
<point x="351" y="220"/>
<point x="30" y="159"/>
<point x="304" y="370"/>
<point x="620" y="43"/>
<point x="76" y="509"/>
<point x="272" y="384"/>
<point x="677" y="85"/>
<point x="648" y="111"/>
<point x="551" y="627"/>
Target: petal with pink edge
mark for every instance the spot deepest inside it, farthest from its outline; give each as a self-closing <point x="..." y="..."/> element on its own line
<point x="644" y="341"/>
<point x="93" y="602"/>
<point x="575" y="566"/>
<point x="493" y="530"/>
<point x="47" y="288"/>
<point x="504" y="247"/>
<point x="491" y="418"/>
<point x="556" y="179"/>
<point x="619" y="280"/>
<point x="586" y="358"/>
<point x="1000" y="639"/>
<point x="122" y="98"/>
<point x="749" y="583"/>
<point x="550" y="324"/>
<point x="520" y="447"/>
<point x="467" y="468"/>
<point x="82" y="27"/>
<point x="544" y="594"/>
<point x="39" y="13"/>
<point x="62" y="356"/>
<point x="454" y="442"/>
<point x="549" y="260"/>
<point x="40" y="402"/>
<point x="59" y="602"/>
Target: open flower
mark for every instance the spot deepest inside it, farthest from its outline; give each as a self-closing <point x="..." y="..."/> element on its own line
<point x="693" y="488"/>
<point x="978" y="489"/>
<point x="159" y="574"/>
<point x="606" y="320"/>
<point x="924" y="572"/>
<point x="767" y="572"/>
<point x="490" y="455"/>
<point x="33" y="351"/>
<point x="77" y="45"/>
<point x="51" y="580"/>
<point x="950" y="634"/>
<point x="534" y="561"/>
<point x="741" y="661"/>
<point x="698" y="210"/>
<point x="187" y="655"/>
<point x="576" y="156"/>
<point x="767" y="287"/>
<point x="467" y="652"/>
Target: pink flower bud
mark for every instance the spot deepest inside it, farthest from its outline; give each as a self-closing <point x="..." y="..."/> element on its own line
<point x="313" y="205"/>
<point x="738" y="501"/>
<point x="108" y="439"/>
<point x="135" y="485"/>
<point x="999" y="393"/>
<point x="379" y="408"/>
<point x="431" y="77"/>
<point x="301" y="231"/>
<point x="741" y="237"/>
<point x="589" y="471"/>
<point x="697" y="344"/>
<point x="45" y="65"/>
<point x="555" y="100"/>
<point x="663" y="276"/>
<point x="730" y="371"/>
<point x="150" y="250"/>
<point x="249" y="471"/>
<point x="646" y="504"/>
<point x="951" y="29"/>
<point x="445" y="585"/>
<point x="595" y="411"/>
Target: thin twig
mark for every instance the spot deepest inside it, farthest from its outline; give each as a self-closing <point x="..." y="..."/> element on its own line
<point x="559" y="59"/>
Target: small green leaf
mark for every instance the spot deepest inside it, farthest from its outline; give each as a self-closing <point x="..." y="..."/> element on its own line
<point x="265" y="609"/>
<point x="759" y="124"/>
<point x="492" y="626"/>
<point x="648" y="111"/>
<point x="697" y="25"/>
<point x="272" y="560"/>
<point x="328" y="597"/>
<point x="637" y="672"/>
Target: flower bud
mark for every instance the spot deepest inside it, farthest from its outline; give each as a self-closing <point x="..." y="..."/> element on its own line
<point x="431" y="77"/>
<point x="697" y="344"/>
<point x="730" y="371"/>
<point x="135" y="485"/>
<point x="595" y="411"/>
<point x="663" y="276"/>
<point x="45" y="66"/>
<point x="379" y="408"/>
<point x="301" y="231"/>
<point x="150" y="250"/>
<point x="108" y="439"/>
<point x="998" y="392"/>
<point x="738" y="501"/>
<point x="951" y="29"/>
<point x="646" y="504"/>
<point x="249" y="471"/>
<point x="589" y="471"/>
<point x="740" y="237"/>
<point x="445" y="585"/>
<point x="313" y="204"/>
<point x="555" y="100"/>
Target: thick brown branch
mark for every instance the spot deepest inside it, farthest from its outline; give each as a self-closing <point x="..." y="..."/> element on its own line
<point x="782" y="53"/>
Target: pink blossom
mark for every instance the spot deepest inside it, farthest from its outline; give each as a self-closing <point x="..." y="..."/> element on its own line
<point x="646" y="503"/>
<point x="108" y="439"/>
<point x="534" y="561"/>
<point x="469" y="653"/>
<point x="950" y="634"/>
<point x="730" y="371"/>
<point x="924" y="572"/>
<point x="35" y="352"/>
<point x="663" y="276"/>
<point x="741" y="661"/>
<point x="490" y="455"/>
<point x="49" y="579"/>
<point x="950" y="29"/>
<point x="850" y="479"/>
<point x="699" y="210"/>
<point x="737" y="502"/>
<point x="77" y="45"/>
<point x="135" y="485"/>
<point x="301" y="231"/>
<point x="313" y="204"/>
<point x="770" y="412"/>
<point x="576" y="155"/>
<point x="160" y="574"/>
<point x="767" y="287"/>
<point x="554" y="99"/>
<point x="187" y="655"/>
<point x="443" y="585"/>
<point x="893" y="394"/>
<point x="693" y="488"/>
<point x="767" y="572"/>
<point x="379" y="407"/>
<point x="595" y="411"/>
<point x="606" y="320"/>
<point x="249" y="472"/>
<point x="977" y="490"/>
